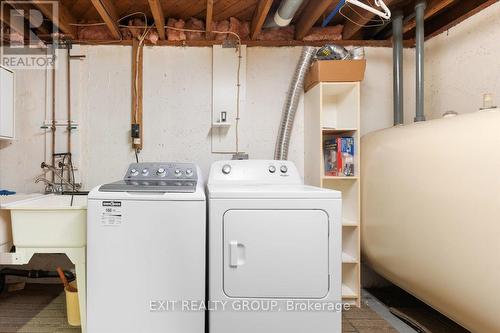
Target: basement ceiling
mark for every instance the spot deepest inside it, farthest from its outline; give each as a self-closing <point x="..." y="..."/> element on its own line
<point x="352" y="25"/>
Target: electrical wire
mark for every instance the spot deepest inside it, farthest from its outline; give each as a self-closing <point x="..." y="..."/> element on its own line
<point x="237" y="120"/>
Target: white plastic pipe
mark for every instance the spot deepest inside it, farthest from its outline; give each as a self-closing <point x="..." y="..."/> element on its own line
<point x="284" y="14"/>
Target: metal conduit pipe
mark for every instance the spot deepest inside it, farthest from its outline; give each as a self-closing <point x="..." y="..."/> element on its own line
<point x="291" y="102"/>
<point x="284" y="14"/>
<point x="419" y="49"/>
<point x="397" y="70"/>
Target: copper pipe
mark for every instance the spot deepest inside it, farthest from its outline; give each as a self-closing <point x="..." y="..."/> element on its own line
<point x="53" y="113"/>
<point x="68" y="62"/>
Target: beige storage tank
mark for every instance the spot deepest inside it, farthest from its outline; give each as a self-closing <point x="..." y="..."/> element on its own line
<point x="431" y="213"/>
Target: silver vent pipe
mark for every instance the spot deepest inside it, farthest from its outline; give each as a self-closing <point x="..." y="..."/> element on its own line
<point x="419" y="50"/>
<point x="397" y="70"/>
<point x="291" y="102"/>
<point x="284" y="15"/>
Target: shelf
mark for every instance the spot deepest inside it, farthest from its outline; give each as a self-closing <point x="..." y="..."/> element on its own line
<point x="337" y="131"/>
<point x="348" y="259"/>
<point x="221" y="124"/>
<point x="334" y="112"/>
<point x="348" y="292"/>
<point x="340" y="177"/>
<point x="349" y="223"/>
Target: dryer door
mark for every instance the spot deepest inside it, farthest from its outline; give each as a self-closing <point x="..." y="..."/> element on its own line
<point x="276" y="253"/>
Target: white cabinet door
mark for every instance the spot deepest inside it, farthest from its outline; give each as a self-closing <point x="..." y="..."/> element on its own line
<point x="6" y="103"/>
<point x="276" y="253"/>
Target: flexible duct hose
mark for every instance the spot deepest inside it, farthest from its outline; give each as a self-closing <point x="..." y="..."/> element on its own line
<point x="291" y="103"/>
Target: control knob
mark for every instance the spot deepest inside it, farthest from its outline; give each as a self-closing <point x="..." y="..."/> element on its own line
<point x="160" y="172"/>
<point x="189" y="172"/>
<point x="283" y="169"/>
<point x="178" y="172"/>
<point x="134" y="172"/>
<point x="272" y="169"/>
<point x="226" y="169"/>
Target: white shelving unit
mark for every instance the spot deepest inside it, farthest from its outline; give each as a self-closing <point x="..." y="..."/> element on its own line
<point x="332" y="109"/>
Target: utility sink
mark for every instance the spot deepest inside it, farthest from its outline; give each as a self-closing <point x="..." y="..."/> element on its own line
<point x="51" y="221"/>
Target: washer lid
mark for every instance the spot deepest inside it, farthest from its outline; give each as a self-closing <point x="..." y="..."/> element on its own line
<point x="270" y="191"/>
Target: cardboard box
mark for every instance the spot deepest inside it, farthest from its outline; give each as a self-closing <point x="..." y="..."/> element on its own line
<point x="335" y="71"/>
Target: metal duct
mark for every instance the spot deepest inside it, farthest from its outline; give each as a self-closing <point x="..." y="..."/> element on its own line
<point x="397" y="71"/>
<point x="291" y="102"/>
<point x="420" y="34"/>
<point x="284" y="14"/>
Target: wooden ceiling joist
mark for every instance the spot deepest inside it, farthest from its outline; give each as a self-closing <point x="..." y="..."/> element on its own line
<point x="107" y="11"/>
<point x="433" y="7"/>
<point x="352" y="27"/>
<point x="62" y="18"/>
<point x="158" y="16"/>
<point x="358" y="23"/>
<point x="259" y="17"/>
<point x="456" y="14"/>
<point x="209" y="17"/>
<point x="311" y="14"/>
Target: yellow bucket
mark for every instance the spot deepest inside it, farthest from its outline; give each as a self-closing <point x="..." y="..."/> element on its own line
<point x="72" y="306"/>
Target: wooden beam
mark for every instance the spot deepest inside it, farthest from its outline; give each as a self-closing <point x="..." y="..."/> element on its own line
<point x="209" y="17"/>
<point x="311" y="14"/>
<point x="352" y="28"/>
<point x="107" y="11"/>
<point x="137" y="61"/>
<point x="433" y="7"/>
<point x="460" y="12"/>
<point x="158" y="16"/>
<point x="62" y="19"/>
<point x="259" y="17"/>
<point x="250" y="43"/>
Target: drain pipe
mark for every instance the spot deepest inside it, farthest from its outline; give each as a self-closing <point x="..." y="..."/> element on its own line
<point x="292" y="100"/>
<point x="420" y="34"/>
<point x="284" y="14"/>
<point x="397" y="70"/>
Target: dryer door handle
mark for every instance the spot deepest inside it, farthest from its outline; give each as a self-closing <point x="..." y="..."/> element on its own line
<point x="236" y="254"/>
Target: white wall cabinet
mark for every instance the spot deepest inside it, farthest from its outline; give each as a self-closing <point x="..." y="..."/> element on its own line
<point x="7" y="114"/>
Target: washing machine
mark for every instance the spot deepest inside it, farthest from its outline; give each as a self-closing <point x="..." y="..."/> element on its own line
<point x="274" y="250"/>
<point x="146" y="251"/>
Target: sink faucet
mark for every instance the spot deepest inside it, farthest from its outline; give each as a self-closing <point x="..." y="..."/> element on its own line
<point x="50" y="187"/>
<point x="56" y="187"/>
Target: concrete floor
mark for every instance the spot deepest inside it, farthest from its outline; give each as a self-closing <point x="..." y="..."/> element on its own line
<point x="40" y="308"/>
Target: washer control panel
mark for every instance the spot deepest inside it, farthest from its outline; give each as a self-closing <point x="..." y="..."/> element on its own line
<point x="156" y="177"/>
<point x="161" y="171"/>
